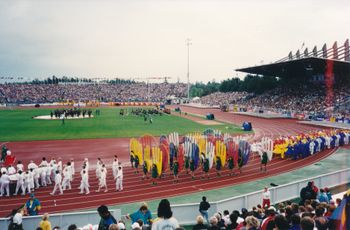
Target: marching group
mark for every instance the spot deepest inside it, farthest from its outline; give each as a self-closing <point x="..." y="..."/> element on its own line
<point x="55" y="173"/>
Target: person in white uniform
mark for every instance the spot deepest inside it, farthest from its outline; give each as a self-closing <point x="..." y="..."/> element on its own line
<point x="103" y="179"/>
<point x="32" y="165"/>
<point x="66" y="179"/>
<point x="119" y="182"/>
<point x="115" y="166"/>
<point x="58" y="183"/>
<point x="5" y="184"/>
<point x="84" y="184"/>
<point x="27" y="182"/>
<point x="20" y="183"/>
<point x="20" y="166"/>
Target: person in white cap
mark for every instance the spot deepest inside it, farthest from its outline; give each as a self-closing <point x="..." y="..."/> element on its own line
<point x="58" y="183"/>
<point x="84" y="184"/>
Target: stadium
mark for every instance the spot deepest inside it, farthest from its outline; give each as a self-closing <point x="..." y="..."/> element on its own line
<point x="270" y="150"/>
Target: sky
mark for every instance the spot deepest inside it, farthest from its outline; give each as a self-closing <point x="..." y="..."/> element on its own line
<point x="141" y="39"/>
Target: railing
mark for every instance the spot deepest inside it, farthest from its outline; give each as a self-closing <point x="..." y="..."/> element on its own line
<point x="187" y="213"/>
<point x="63" y="220"/>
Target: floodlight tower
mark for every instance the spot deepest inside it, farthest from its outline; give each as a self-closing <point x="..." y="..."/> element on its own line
<point x="188" y="43"/>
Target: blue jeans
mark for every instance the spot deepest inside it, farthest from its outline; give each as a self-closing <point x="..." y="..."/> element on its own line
<point x="205" y="215"/>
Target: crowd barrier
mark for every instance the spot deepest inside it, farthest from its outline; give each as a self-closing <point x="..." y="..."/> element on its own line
<point x="63" y="220"/>
<point x="187" y="213"/>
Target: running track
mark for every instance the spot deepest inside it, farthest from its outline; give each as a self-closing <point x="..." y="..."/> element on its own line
<point x="133" y="185"/>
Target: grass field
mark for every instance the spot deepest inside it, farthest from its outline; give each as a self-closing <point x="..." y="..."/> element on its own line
<point x="18" y="125"/>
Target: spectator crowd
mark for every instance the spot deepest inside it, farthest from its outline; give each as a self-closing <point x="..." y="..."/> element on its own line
<point x="49" y="93"/>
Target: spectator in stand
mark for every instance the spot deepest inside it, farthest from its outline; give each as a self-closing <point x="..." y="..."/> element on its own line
<point x="113" y="227"/>
<point x="322" y="197"/>
<point x="72" y="227"/>
<point x="295" y="222"/>
<point x="165" y="217"/>
<point x="213" y="223"/>
<point x="17" y="220"/>
<point x="45" y="223"/>
<point x="200" y="224"/>
<point x="307" y="223"/>
<point x="329" y="193"/>
<point x="143" y="214"/>
<point x="106" y="218"/>
<point x="281" y="223"/>
<point x="307" y="193"/>
<point x="203" y="208"/>
<point x="252" y="223"/>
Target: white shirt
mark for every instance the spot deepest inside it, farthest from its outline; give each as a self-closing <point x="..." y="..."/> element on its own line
<point x="58" y="179"/>
<point x="20" y="178"/>
<point x="3" y="170"/>
<point x="17" y="219"/>
<point x="32" y="166"/>
<point x="120" y="174"/>
<point x="43" y="163"/>
<point x="165" y="224"/>
<point x="5" y="179"/>
<point x="20" y="167"/>
<point x="266" y="195"/>
<point x="11" y="170"/>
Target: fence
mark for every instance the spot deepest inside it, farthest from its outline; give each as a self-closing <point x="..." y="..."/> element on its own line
<point x="62" y="220"/>
<point x="186" y="213"/>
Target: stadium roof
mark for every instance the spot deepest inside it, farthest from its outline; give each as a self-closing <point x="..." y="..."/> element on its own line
<point x="307" y="64"/>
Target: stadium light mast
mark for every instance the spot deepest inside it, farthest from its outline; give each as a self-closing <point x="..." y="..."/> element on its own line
<point x="188" y="43"/>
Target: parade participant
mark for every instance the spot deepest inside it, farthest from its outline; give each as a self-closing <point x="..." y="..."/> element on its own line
<point x="99" y="164"/>
<point x="43" y="172"/>
<point x="36" y="176"/>
<point x="86" y="163"/>
<point x="72" y="168"/>
<point x="192" y="168"/>
<point x="136" y="164"/>
<point x="68" y="167"/>
<point x="5" y="184"/>
<point x="264" y="160"/>
<point x="59" y="164"/>
<point x="218" y="166"/>
<point x="115" y="166"/>
<point x="33" y="205"/>
<point x="205" y="168"/>
<point x="266" y="198"/>
<point x="31" y="179"/>
<point x="48" y="174"/>
<point x="102" y="180"/>
<point x="20" y="183"/>
<point x="230" y="164"/>
<point x="20" y="166"/>
<point x="84" y="184"/>
<point x="3" y="152"/>
<point x="52" y="161"/>
<point x="187" y="164"/>
<point x="176" y="170"/>
<point x="119" y="182"/>
<point x="132" y="158"/>
<point x="240" y="160"/>
<point x="145" y="170"/>
<point x="43" y="162"/>
<point x="32" y="165"/>
<point x="27" y="182"/>
<point x="66" y="179"/>
<point x="58" y="183"/>
<point x="154" y="174"/>
<point x="11" y="170"/>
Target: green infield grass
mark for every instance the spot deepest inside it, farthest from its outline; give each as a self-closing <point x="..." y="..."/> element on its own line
<point x="18" y="125"/>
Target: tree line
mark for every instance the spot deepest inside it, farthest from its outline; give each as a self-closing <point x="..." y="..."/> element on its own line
<point x="251" y="84"/>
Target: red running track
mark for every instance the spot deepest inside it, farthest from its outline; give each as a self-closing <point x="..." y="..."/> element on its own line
<point x="133" y="185"/>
